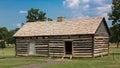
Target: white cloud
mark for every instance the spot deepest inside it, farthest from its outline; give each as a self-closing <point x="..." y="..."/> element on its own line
<point x="18" y="25"/>
<point x="22" y="11"/>
<point x="85" y="1"/>
<point x="71" y="3"/>
<point x="86" y="6"/>
<point x="104" y="9"/>
<point x="100" y="2"/>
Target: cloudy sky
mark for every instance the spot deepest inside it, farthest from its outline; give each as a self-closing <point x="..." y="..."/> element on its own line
<point x="13" y="12"/>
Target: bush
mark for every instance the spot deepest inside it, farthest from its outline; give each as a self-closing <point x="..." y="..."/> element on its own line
<point x="2" y="44"/>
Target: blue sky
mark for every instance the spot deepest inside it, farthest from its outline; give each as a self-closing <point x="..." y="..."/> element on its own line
<point x="13" y="12"/>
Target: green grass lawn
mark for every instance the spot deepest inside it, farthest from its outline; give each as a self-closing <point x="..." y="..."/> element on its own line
<point x="111" y="61"/>
<point x="15" y="63"/>
<point x="7" y="52"/>
<point x="9" y="60"/>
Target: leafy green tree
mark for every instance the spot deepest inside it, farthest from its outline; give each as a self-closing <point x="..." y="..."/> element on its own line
<point x="3" y="36"/>
<point x="35" y="15"/>
<point x="115" y="17"/>
<point x="6" y="36"/>
<point x="3" y="33"/>
<point x="2" y="44"/>
<point x="115" y="34"/>
<point x="49" y="19"/>
<point x="115" y="14"/>
<point x="10" y="39"/>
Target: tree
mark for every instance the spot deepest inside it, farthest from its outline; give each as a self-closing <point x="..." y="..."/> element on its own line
<point x="115" y="14"/>
<point x="49" y="19"/>
<point x="3" y="33"/>
<point x="35" y="15"/>
<point x="115" y="17"/>
<point x="10" y="39"/>
<point x="3" y="36"/>
<point x="115" y="34"/>
<point x="2" y="44"/>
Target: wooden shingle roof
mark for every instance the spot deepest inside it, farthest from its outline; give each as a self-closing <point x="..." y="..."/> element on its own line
<point x="66" y="27"/>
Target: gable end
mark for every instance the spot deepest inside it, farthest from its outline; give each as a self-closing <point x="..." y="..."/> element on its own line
<point x="102" y="29"/>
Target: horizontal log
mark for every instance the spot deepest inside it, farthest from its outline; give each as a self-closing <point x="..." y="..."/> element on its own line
<point x="100" y="43"/>
<point x="99" y="54"/>
<point x="41" y="54"/>
<point x="82" y="55"/>
<point x="101" y="40"/>
<point x="103" y="53"/>
<point x="20" y="43"/>
<point x="83" y="48"/>
<point x="101" y="37"/>
<point x="56" y="49"/>
<point x="22" y="54"/>
<point x="42" y="50"/>
<point x="54" y="45"/>
<point x="56" y="53"/>
<point x="21" y="46"/>
<point x="82" y="41"/>
<point x="22" y="49"/>
<point x="55" y="41"/>
<point x="100" y="48"/>
<point x="38" y="48"/>
<point x="41" y="45"/>
<point x="82" y="51"/>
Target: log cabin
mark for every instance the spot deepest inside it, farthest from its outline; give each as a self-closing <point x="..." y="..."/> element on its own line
<point x="84" y="37"/>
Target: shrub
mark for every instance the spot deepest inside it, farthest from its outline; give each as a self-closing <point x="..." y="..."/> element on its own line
<point x="2" y="44"/>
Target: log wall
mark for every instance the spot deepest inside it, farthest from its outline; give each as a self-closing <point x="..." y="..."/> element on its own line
<point x="83" y="47"/>
<point x="21" y="47"/>
<point x="101" y="41"/>
<point x="56" y="48"/>
<point x="41" y="47"/>
<point x="101" y="46"/>
<point x="55" y="45"/>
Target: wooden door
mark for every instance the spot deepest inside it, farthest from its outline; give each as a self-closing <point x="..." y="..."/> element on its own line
<point x="32" y="49"/>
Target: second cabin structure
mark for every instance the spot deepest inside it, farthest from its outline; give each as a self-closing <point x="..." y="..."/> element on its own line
<point x="84" y="37"/>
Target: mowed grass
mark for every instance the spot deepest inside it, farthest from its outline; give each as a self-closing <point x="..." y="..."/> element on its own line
<point x="111" y="61"/>
<point x="9" y="60"/>
<point x="9" y="51"/>
<point x="16" y="63"/>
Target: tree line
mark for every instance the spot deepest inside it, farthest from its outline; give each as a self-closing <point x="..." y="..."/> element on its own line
<point x="6" y="36"/>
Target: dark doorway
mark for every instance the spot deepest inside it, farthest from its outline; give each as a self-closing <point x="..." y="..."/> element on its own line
<point x="68" y="47"/>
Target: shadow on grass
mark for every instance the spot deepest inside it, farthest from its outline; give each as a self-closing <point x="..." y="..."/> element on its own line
<point x="114" y="53"/>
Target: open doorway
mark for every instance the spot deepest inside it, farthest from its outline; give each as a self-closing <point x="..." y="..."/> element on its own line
<point x="68" y="47"/>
